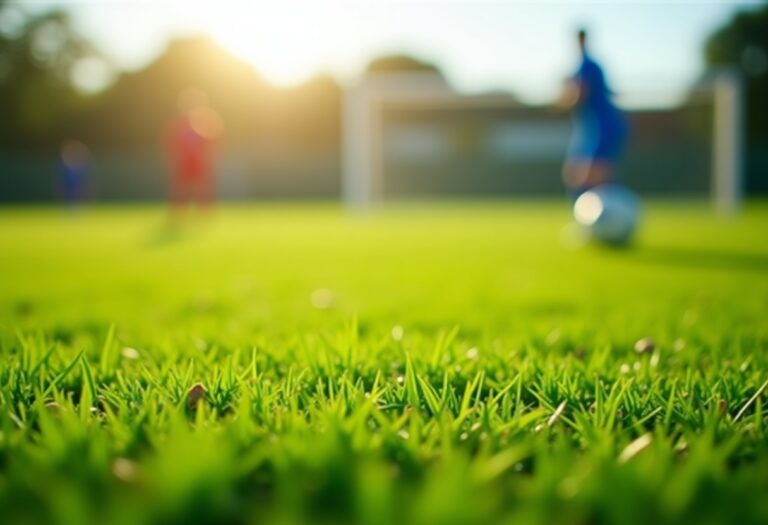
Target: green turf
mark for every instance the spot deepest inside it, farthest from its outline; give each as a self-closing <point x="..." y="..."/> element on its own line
<point x="452" y="363"/>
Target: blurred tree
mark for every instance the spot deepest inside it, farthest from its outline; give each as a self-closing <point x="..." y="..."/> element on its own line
<point x="38" y="55"/>
<point x="132" y="113"/>
<point x="401" y="63"/>
<point x="743" y="42"/>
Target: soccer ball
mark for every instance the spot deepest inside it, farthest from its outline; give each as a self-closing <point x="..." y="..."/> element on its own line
<point x="609" y="213"/>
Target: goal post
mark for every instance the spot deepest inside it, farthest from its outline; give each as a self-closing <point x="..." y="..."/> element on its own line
<point x="362" y="106"/>
<point x="366" y="103"/>
<point x="728" y="137"/>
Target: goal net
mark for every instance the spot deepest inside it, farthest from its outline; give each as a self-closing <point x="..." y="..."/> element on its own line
<point x="409" y="135"/>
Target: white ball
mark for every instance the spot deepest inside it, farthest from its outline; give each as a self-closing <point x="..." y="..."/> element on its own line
<point x="609" y="212"/>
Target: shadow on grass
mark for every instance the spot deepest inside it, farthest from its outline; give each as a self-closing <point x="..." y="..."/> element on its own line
<point x="166" y="234"/>
<point x="704" y="259"/>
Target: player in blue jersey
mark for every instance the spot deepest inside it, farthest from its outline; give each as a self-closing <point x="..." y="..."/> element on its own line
<point x="600" y="129"/>
<point x="72" y="172"/>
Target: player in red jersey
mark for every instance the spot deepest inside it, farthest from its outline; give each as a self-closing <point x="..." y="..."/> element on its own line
<point x="190" y="141"/>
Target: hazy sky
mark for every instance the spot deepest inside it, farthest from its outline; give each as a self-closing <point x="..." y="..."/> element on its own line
<point x="649" y="49"/>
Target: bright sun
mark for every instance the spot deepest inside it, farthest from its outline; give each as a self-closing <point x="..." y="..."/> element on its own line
<point x="286" y="42"/>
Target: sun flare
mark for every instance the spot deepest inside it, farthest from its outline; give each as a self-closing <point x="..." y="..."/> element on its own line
<point x="286" y="42"/>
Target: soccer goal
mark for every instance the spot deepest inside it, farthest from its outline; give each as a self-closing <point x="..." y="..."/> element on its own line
<point x="411" y="135"/>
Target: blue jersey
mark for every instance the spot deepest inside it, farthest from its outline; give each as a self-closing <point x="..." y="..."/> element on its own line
<point x="600" y="128"/>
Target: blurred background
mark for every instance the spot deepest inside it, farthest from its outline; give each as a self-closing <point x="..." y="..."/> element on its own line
<point x="433" y="98"/>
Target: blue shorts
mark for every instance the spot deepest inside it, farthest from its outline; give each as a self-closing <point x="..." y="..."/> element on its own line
<point x="598" y="137"/>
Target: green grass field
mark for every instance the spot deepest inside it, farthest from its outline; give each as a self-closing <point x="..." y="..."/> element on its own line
<point x="453" y="363"/>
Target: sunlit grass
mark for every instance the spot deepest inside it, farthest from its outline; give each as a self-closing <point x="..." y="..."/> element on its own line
<point x="453" y="363"/>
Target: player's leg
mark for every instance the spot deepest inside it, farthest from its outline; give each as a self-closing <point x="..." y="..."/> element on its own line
<point x="577" y="169"/>
<point x="583" y="173"/>
<point x="178" y="194"/>
<point x="594" y="152"/>
<point x="175" y="190"/>
<point x="609" y="147"/>
<point x="600" y="171"/>
<point x="207" y="190"/>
